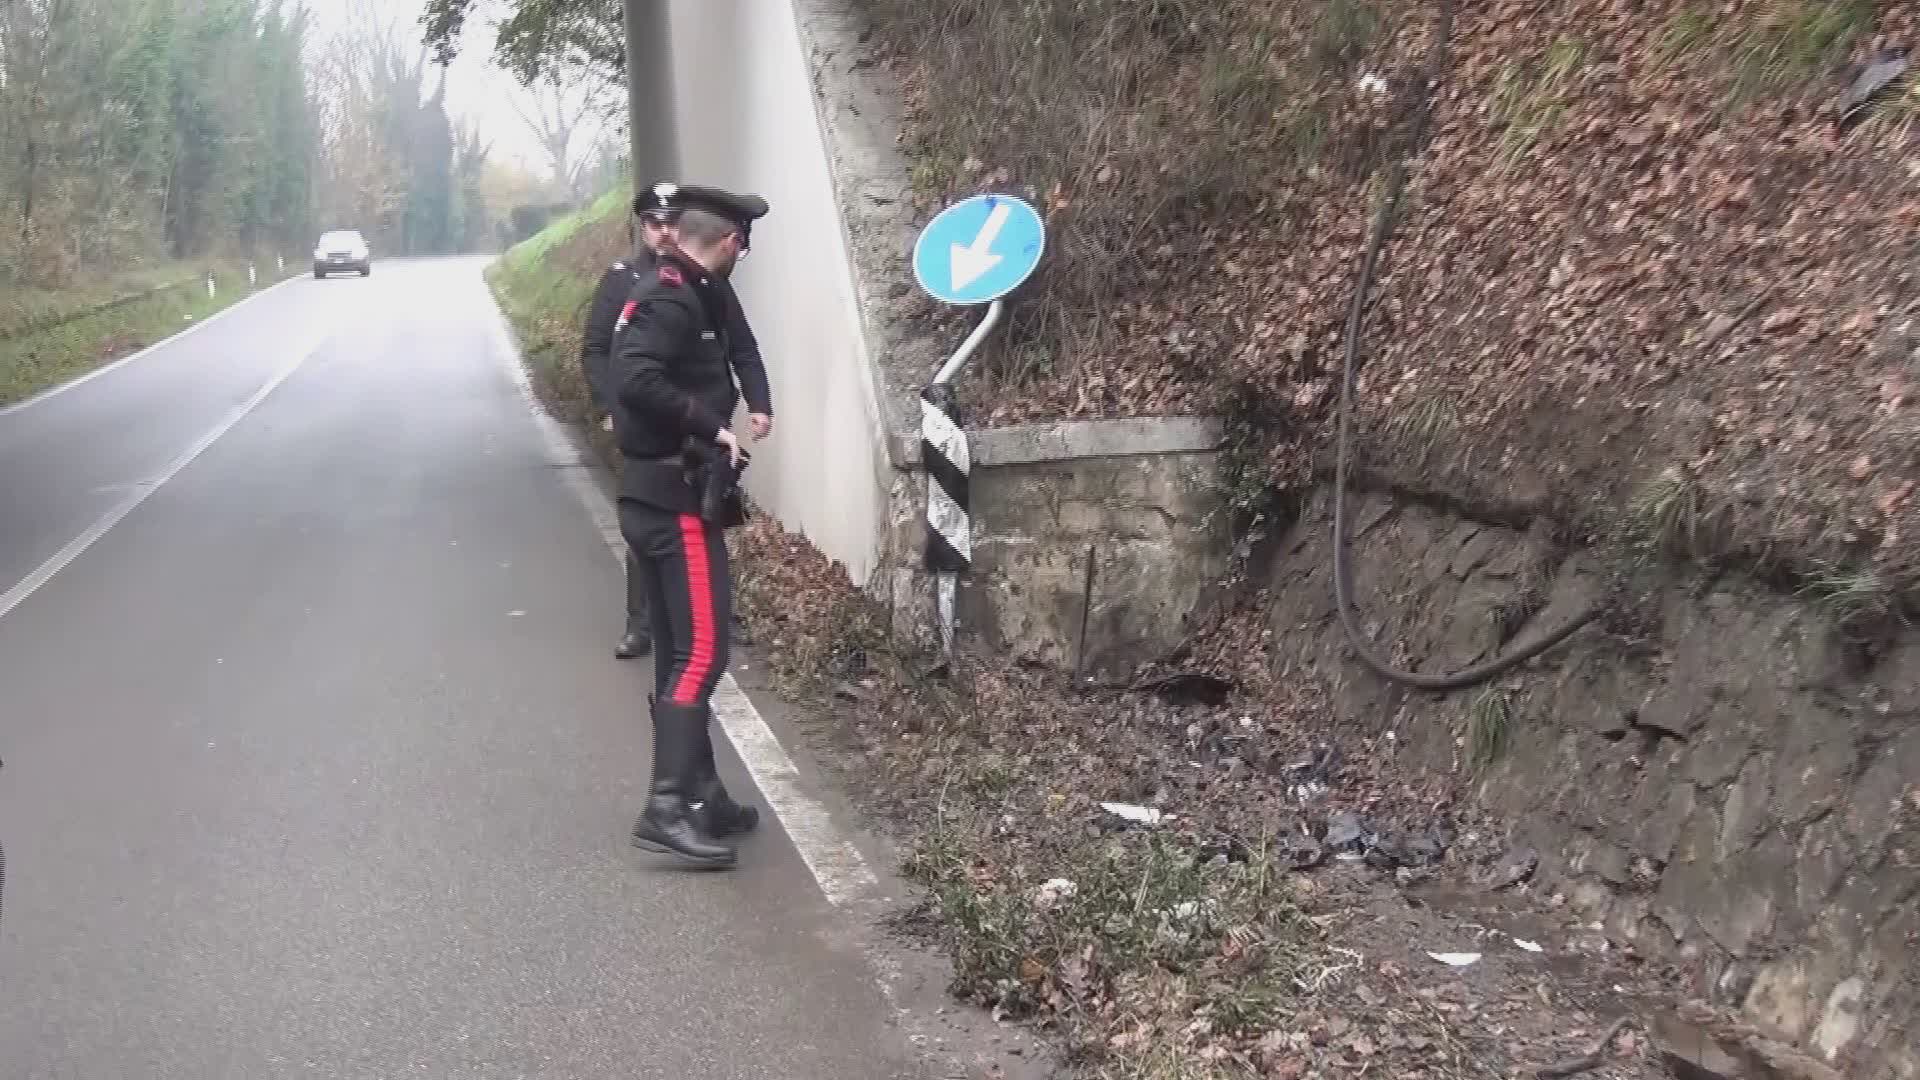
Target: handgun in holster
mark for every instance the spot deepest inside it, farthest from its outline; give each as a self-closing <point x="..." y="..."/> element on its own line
<point x="716" y="478"/>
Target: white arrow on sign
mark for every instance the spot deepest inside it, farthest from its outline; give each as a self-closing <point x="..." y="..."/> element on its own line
<point x="973" y="260"/>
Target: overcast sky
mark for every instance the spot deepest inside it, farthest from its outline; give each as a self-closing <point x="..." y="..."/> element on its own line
<point x="476" y="91"/>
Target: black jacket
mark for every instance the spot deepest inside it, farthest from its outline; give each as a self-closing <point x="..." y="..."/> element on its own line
<point x="596" y="341"/>
<point x="673" y="376"/>
<point x="607" y="317"/>
<point x="743" y="349"/>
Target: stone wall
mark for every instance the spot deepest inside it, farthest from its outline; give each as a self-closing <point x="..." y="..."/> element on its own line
<point x="1731" y="783"/>
<point x="1141" y="497"/>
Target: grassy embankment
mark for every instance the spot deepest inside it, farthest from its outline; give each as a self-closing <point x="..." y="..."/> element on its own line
<point x="50" y="336"/>
<point x="544" y="285"/>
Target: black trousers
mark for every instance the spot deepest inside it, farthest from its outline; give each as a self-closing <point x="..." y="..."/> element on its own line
<point x="637" y="607"/>
<point x="682" y="565"/>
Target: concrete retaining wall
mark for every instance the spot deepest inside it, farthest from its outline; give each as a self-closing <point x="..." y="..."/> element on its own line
<point x="773" y="96"/>
<point x="1140" y="499"/>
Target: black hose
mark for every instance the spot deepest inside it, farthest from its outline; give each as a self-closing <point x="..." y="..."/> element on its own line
<point x="1342" y="560"/>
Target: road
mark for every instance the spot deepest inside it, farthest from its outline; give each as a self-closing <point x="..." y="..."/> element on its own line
<point x="317" y="762"/>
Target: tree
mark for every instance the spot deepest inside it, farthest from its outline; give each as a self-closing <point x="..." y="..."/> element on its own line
<point x="390" y="144"/>
<point x="539" y="38"/>
<point x="569" y="117"/>
<point x="141" y="128"/>
<point x="471" y="215"/>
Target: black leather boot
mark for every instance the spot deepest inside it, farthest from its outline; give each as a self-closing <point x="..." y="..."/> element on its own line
<point x="723" y="816"/>
<point x="670" y="824"/>
<point x="638" y="640"/>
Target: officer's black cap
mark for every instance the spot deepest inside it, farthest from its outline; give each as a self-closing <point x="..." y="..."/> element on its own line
<point x="666" y="199"/>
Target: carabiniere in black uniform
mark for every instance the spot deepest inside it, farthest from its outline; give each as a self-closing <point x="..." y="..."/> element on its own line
<point x="607" y="317"/>
<point x="678" y="492"/>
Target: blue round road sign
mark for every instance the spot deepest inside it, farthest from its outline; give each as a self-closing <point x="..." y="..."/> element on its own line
<point x="979" y="249"/>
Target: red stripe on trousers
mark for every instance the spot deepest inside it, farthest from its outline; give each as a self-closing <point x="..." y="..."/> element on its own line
<point x="693" y="538"/>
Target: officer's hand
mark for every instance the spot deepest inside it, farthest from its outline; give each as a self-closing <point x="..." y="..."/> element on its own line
<point x="727" y="439"/>
<point x="760" y="424"/>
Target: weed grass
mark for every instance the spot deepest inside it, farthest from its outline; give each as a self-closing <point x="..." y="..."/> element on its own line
<point x="544" y="294"/>
<point x="1798" y="41"/>
<point x="1665" y="517"/>
<point x="35" y="361"/>
<point x="1489" y="727"/>
<point x="1853" y="598"/>
<point x="1139" y="913"/>
<point x="1531" y="103"/>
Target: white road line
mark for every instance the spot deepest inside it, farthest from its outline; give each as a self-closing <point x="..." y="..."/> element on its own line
<point x="156" y="346"/>
<point x="837" y="866"/>
<point x="30" y="584"/>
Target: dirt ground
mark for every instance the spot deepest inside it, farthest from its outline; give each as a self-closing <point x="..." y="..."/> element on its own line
<point x="1281" y="916"/>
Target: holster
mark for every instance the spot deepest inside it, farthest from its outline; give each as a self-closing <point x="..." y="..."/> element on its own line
<point x="713" y="475"/>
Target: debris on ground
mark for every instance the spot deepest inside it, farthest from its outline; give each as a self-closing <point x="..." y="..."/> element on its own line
<point x="1139" y="815"/>
<point x="1138" y="876"/>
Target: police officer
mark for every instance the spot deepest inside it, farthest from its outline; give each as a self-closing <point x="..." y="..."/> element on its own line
<point x="596" y="359"/>
<point x="676" y="398"/>
<point x="655" y="209"/>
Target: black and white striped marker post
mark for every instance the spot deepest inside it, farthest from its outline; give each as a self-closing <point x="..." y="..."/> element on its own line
<point x="943" y="450"/>
<point x="949" y="466"/>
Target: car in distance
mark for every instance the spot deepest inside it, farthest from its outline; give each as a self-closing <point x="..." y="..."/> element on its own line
<point x="342" y="249"/>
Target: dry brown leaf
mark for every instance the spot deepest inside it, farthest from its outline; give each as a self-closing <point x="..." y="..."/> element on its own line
<point x="1781" y="319"/>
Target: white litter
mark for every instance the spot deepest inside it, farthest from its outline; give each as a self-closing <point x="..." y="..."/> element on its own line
<point x="1054" y="891"/>
<point x="1530" y="946"/>
<point x="1139" y="815"/>
<point x="1456" y="959"/>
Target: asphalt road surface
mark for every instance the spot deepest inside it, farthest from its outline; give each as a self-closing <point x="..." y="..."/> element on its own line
<point x="317" y="762"/>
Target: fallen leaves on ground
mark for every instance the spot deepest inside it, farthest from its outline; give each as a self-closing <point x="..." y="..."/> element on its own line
<point x="1189" y="948"/>
<point x="1636" y="240"/>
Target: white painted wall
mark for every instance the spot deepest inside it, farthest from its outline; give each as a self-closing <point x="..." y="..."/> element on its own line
<point x="746" y="119"/>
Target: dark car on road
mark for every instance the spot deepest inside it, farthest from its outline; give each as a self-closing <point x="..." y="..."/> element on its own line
<point x="342" y="250"/>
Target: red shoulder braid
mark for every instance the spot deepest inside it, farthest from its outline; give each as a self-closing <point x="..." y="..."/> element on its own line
<point x="671" y="275"/>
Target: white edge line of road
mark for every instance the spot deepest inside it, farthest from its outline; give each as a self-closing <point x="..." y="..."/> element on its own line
<point x="30" y="584"/>
<point x="55" y="391"/>
<point x="837" y="866"/>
